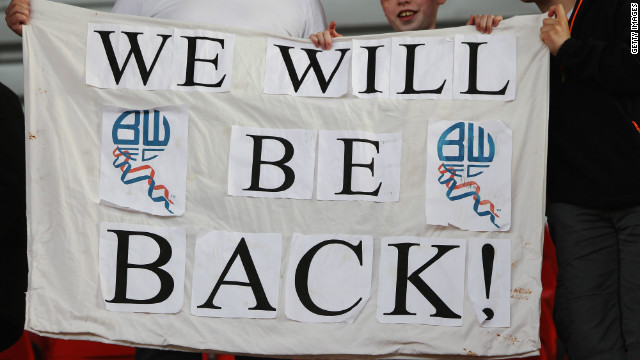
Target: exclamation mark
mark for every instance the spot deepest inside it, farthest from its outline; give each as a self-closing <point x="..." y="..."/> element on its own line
<point x="488" y="254"/>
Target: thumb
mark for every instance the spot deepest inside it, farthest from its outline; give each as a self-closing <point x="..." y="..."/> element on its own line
<point x="558" y="11"/>
<point x="332" y="29"/>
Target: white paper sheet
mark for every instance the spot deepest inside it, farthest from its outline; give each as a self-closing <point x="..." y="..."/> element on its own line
<point x="371" y="67"/>
<point x="144" y="159"/>
<point x="203" y="60"/>
<point x="489" y="281"/>
<point x="236" y="275"/>
<point x="142" y="267"/>
<point x="495" y="70"/>
<point x="469" y="175"/>
<point x="110" y="47"/>
<point x="272" y="163"/>
<point x="421" y="281"/>
<point x="328" y="278"/>
<point x="370" y="161"/>
<point x="421" y="68"/>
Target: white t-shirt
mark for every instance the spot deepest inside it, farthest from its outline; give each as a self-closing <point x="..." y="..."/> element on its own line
<point x="295" y="18"/>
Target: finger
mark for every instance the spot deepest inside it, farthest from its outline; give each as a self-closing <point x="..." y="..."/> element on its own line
<point x="561" y="14"/>
<point x="19" y="2"/>
<point x="17" y="11"/>
<point x="497" y="20"/>
<point x="489" y="24"/>
<point x="327" y="40"/>
<point x="546" y="33"/>
<point x="558" y="12"/>
<point x="543" y="29"/>
<point x="16" y="29"/>
<point x="16" y="21"/>
<point x="18" y="18"/>
<point x="547" y="36"/>
<point x="483" y="24"/>
<point x="549" y="28"/>
<point x="332" y="30"/>
<point x="471" y="20"/>
<point x="18" y="7"/>
<point x="543" y="38"/>
<point x="314" y="39"/>
<point x="477" y="21"/>
<point x="320" y="41"/>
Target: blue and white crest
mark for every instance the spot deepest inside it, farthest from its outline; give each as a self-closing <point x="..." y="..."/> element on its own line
<point x="143" y="134"/>
<point x="466" y="150"/>
<point x="144" y="159"/>
<point x="465" y="157"/>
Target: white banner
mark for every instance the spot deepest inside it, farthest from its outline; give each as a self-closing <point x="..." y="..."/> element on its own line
<point x="231" y="245"/>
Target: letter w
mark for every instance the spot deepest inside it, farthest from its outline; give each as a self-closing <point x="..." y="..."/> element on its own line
<point x="135" y="51"/>
<point x="313" y="64"/>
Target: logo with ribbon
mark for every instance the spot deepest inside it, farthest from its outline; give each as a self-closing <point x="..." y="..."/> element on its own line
<point x="141" y="136"/>
<point x="465" y="151"/>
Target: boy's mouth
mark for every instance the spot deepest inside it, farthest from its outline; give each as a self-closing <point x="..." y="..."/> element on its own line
<point x="406" y="15"/>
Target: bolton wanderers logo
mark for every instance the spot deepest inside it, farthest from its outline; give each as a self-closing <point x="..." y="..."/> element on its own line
<point x="141" y="136"/>
<point x="466" y="152"/>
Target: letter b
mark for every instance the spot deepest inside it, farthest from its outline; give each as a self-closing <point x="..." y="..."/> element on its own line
<point x="289" y="175"/>
<point x="123" y="265"/>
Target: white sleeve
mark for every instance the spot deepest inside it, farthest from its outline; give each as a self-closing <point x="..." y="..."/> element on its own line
<point x="129" y="7"/>
<point x="315" y="20"/>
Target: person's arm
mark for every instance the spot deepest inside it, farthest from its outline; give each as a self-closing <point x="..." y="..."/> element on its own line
<point x="609" y="63"/>
<point x="323" y="39"/>
<point x="17" y="14"/>
<point x="484" y="23"/>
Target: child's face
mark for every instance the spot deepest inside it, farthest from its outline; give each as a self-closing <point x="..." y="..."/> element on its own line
<point x="406" y="15"/>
